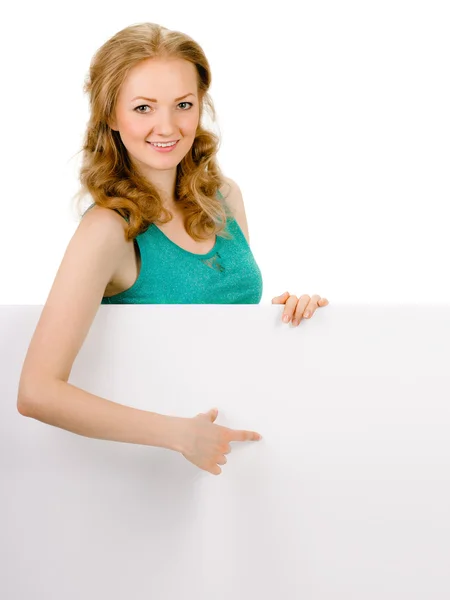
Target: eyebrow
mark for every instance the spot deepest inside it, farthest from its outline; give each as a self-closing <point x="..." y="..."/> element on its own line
<point x="154" y="100"/>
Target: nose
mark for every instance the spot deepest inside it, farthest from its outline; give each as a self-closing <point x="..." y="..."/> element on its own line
<point x="165" y="125"/>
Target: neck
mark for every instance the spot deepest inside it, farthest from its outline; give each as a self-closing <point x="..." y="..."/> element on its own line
<point x="164" y="181"/>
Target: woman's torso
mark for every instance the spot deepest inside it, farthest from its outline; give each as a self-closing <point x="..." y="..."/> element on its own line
<point x="164" y="265"/>
<point x="128" y="271"/>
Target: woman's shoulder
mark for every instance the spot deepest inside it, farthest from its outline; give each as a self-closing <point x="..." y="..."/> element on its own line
<point x="233" y="197"/>
<point x="103" y="217"/>
<point x="231" y="192"/>
<point x="228" y="186"/>
<point x="105" y="222"/>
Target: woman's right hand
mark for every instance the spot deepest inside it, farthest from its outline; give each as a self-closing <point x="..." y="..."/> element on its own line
<point x="205" y="444"/>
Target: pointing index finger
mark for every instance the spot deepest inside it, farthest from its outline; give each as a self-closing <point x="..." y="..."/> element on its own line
<point x="242" y="435"/>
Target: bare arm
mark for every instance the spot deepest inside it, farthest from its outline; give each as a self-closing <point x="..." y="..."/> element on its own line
<point x="91" y="258"/>
<point x="66" y="406"/>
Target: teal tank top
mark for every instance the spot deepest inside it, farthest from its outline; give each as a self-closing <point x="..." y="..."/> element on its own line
<point x="228" y="274"/>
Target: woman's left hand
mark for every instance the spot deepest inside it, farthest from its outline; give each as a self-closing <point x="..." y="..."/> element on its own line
<point x="297" y="308"/>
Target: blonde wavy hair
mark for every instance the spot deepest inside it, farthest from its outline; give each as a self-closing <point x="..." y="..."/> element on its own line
<point x="107" y="173"/>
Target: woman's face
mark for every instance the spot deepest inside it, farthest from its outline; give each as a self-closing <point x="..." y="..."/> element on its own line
<point x="158" y="102"/>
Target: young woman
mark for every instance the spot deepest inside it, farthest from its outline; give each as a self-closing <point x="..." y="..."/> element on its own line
<point x="166" y="226"/>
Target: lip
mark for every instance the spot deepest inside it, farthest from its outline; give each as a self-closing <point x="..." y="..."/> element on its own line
<point x="166" y="149"/>
<point x="161" y="142"/>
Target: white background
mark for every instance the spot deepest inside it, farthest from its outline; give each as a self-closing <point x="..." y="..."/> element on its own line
<point x="335" y="124"/>
<point x="334" y="119"/>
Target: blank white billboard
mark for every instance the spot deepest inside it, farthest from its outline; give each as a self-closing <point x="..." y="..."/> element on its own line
<point x="346" y="496"/>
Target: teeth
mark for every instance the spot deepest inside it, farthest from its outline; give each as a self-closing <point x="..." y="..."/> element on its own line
<point x="163" y="145"/>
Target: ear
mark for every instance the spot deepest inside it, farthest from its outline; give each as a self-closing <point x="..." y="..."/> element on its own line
<point x="112" y="123"/>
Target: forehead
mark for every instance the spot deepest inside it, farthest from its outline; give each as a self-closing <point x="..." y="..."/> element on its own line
<point x="162" y="79"/>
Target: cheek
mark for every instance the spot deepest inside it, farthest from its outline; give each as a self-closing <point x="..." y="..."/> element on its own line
<point x="130" y="127"/>
<point x="190" y="124"/>
<point x="135" y="128"/>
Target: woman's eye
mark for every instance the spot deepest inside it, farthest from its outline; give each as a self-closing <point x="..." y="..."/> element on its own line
<point x="137" y="109"/>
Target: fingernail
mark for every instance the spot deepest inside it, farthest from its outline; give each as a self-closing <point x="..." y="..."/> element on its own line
<point x="306" y="314"/>
<point x="286" y="318"/>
